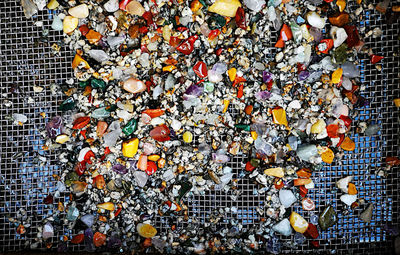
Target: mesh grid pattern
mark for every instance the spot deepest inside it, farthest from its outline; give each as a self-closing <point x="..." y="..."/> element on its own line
<point x="25" y="180"/>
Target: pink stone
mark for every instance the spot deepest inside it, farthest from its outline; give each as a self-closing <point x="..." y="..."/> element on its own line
<point x="134" y="86"/>
<point x="149" y="148"/>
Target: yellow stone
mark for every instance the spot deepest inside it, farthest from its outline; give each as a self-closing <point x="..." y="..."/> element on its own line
<point x="130" y="147"/>
<point x="53" y="4"/>
<point x="80" y="11"/>
<point x="299" y="224"/>
<point x="146" y="230"/>
<point x="168" y="68"/>
<point x="232" y="74"/>
<point x="254" y="135"/>
<point x="226" y="105"/>
<point x="225" y="7"/>
<point x="279" y="116"/>
<point x="337" y="75"/>
<point x="341" y="4"/>
<point x="61" y="139"/>
<point x="166" y="33"/>
<point x="153" y="157"/>
<point x="318" y="127"/>
<point x="69" y="24"/>
<point x="106" y="206"/>
<point x="77" y="60"/>
<point x="348" y="144"/>
<point x="397" y="102"/>
<point x="187" y="137"/>
<point x="327" y="155"/>
<point x="276" y="172"/>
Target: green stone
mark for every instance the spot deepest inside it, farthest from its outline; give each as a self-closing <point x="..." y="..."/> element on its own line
<point x="68" y="104"/>
<point x="203" y="3"/>
<point x="130" y="127"/>
<point x="185" y="188"/>
<point x="83" y="84"/>
<point x="216" y="21"/>
<point x="328" y="218"/>
<point x="70" y="178"/>
<point x="96" y="83"/>
<point x="100" y="113"/>
<point x="208" y="86"/>
<point x="340" y="54"/>
<point x="255" y="162"/>
<point x="243" y="127"/>
<point x="111" y="108"/>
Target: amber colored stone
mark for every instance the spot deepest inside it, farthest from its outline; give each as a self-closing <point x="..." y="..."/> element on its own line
<point x="99" y="181"/>
<point x="78" y="239"/>
<point x="153" y="113"/>
<point x="301" y="181"/>
<point x="21" y="229"/>
<point x="195" y="6"/>
<point x="348" y="144"/>
<point x="339" y="19"/>
<point x="352" y="190"/>
<point x="99" y="239"/>
<point x="93" y="37"/>
<point x="160" y="133"/>
<point x="161" y="163"/>
<point x="134" y="31"/>
<point x="353" y="38"/>
<point x="304" y="173"/>
<point x="328" y="156"/>
<point x="77" y="60"/>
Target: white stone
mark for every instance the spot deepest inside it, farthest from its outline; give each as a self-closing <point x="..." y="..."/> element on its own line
<point x="111" y="6"/>
<point x="254" y="5"/>
<point x="348" y="199"/>
<point x="283" y="227"/>
<point x="286" y="197"/>
<point x="315" y="20"/>
<point x="98" y="55"/>
<point x="80" y="11"/>
<point x="338" y="35"/>
<point x="343" y="183"/>
<point x="176" y="124"/>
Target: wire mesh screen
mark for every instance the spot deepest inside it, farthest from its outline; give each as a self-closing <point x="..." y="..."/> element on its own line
<point x="33" y="61"/>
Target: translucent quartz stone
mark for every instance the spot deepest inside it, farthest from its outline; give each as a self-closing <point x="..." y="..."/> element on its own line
<point x="287" y="198"/>
<point x="306" y="152"/>
<point x="283" y="227"/>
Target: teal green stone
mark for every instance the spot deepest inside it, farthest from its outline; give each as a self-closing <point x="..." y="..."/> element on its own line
<point x="203" y="3"/>
<point x="216" y="21"/>
<point x="68" y="104"/>
<point x="130" y="127"/>
<point x="340" y="54"/>
<point x="112" y="108"/>
<point x="208" y="86"/>
<point x="83" y="84"/>
<point x="72" y="214"/>
<point x="243" y="126"/>
<point x="70" y="178"/>
<point x="96" y="84"/>
<point x="328" y="218"/>
<point x="100" y="113"/>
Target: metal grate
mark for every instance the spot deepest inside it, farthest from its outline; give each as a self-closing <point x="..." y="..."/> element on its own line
<point x="25" y="180"/>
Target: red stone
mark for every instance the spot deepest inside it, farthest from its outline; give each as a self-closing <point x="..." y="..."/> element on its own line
<point x="347" y="121"/>
<point x="78" y="239"/>
<point x="278" y="183"/>
<point x="123" y="4"/>
<point x="88" y="156"/>
<point x="219" y="51"/>
<point x="392" y="161"/>
<point x="249" y="167"/>
<point x="148" y="16"/>
<point x="99" y="239"/>
<point x="80" y="168"/>
<point x="187" y="46"/>
<point x="328" y="43"/>
<point x="315" y="243"/>
<point x="84" y="29"/>
<point x="240" y="18"/>
<point x="174" y="41"/>
<point x="154" y="113"/>
<point x="160" y="133"/>
<point x="81" y="122"/>
<point x="375" y="59"/>
<point x="284" y="35"/>
<point x="341" y="136"/>
<point x="213" y="34"/>
<point x="151" y="168"/>
<point x="200" y="68"/>
<point x="353" y="38"/>
<point x="332" y="130"/>
<point x="240" y="91"/>
<point x="311" y="232"/>
<point x="303" y="191"/>
<point x="143" y="30"/>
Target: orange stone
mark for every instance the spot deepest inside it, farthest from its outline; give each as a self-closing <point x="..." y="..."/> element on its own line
<point x="339" y="19"/>
<point x="101" y="128"/>
<point x="77" y="60"/>
<point x="134" y="31"/>
<point x="99" y="239"/>
<point x="304" y="173"/>
<point x="301" y="181"/>
<point x="78" y="239"/>
<point x="348" y="144"/>
<point x="248" y="109"/>
<point x="328" y="156"/>
<point x="352" y="190"/>
<point x="93" y="36"/>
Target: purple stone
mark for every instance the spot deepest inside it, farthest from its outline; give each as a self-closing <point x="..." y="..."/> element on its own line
<point x="193" y="90"/>
<point x="54" y="127"/>
<point x="114" y="242"/>
<point x="62" y="247"/>
<point x="89" y="246"/>
<point x="303" y="75"/>
<point x="262" y="95"/>
<point x="220" y="158"/>
<point x="267" y="76"/>
<point x="316" y="33"/>
<point x="220" y="68"/>
<point x="362" y="102"/>
<point x="121" y="169"/>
